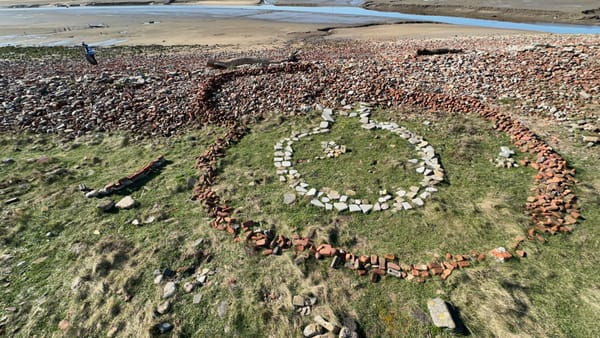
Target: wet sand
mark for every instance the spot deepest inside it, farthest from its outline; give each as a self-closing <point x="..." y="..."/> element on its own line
<point x="583" y="12"/>
<point x="224" y="33"/>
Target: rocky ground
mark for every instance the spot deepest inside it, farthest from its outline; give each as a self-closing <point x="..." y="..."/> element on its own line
<point x="156" y="92"/>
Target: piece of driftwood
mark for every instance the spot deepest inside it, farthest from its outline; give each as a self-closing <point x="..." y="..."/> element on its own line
<point x="213" y="63"/>
<point x="438" y="51"/>
<point x="130" y="180"/>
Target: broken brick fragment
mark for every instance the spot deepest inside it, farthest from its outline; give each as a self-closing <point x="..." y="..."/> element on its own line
<point x="464" y="264"/>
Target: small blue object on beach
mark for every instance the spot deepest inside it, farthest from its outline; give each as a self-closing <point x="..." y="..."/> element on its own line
<point x="89" y="54"/>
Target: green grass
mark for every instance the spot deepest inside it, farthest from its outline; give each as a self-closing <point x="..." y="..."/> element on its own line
<point x="554" y="292"/>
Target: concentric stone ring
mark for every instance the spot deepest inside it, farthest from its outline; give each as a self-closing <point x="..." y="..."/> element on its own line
<point x="323" y="197"/>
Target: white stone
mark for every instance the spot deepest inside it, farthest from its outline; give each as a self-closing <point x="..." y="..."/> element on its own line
<point x="327" y="115"/>
<point x="126" y="202"/>
<point x="317" y="203"/>
<point x="418" y="202"/>
<point x="366" y="208"/>
<point x="406" y="206"/>
<point x="334" y="195"/>
<point x="340" y="206"/>
<point x="354" y="208"/>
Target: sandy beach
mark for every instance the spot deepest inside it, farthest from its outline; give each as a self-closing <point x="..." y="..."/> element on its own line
<point x="238" y="32"/>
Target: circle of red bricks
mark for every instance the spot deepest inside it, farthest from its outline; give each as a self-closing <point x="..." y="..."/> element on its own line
<point x="552" y="207"/>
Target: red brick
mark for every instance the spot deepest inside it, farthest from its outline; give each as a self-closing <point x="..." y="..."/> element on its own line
<point x="374" y="259"/>
<point x="393" y="266"/>
<point x="363" y="259"/>
<point x="521" y="253"/>
<point x="481" y="257"/>
<point x="261" y="242"/>
<point x="382" y="263"/>
<point x="464" y="264"/>
<point x="379" y="272"/>
<point x="437" y="271"/>
<point x="390" y="257"/>
<point x="446" y="273"/>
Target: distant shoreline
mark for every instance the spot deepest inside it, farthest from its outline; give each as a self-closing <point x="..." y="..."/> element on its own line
<point x="582" y="12"/>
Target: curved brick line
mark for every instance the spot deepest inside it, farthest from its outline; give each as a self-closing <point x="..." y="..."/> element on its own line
<point x="553" y="207"/>
<point x="203" y="108"/>
<point x="554" y="197"/>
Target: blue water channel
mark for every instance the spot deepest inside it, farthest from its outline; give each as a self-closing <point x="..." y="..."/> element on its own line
<point x="327" y="15"/>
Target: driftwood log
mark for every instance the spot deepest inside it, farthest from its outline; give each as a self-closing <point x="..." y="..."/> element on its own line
<point x="438" y="51"/>
<point x="233" y="63"/>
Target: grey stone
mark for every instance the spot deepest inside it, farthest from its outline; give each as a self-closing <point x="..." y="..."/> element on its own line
<point x="326" y="324"/>
<point x="126" y="202"/>
<point x="222" y="309"/>
<point x="327" y="115"/>
<point x="418" y="202"/>
<point x="298" y="300"/>
<point x="317" y="203"/>
<point x="312" y="330"/>
<point x="440" y="313"/>
<point x="158" y="279"/>
<point x="347" y="333"/>
<point x="393" y="272"/>
<point x="354" y="208"/>
<point x="289" y="198"/>
<point x="339" y="206"/>
<point x="164" y="327"/>
<point x="591" y="139"/>
<point x="366" y="208"/>
<point x="197" y="298"/>
<point x="202" y="279"/>
<point x="163" y="307"/>
<point x="188" y="287"/>
<point x="169" y="290"/>
<point x="334" y="195"/>
<point x="106" y="205"/>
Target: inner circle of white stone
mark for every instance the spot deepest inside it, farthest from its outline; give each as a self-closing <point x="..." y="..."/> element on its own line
<point x="401" y="199"/>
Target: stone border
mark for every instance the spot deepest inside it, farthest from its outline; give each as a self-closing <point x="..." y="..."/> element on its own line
<point x="328" y="199"/>
<point x="553" y="207"/>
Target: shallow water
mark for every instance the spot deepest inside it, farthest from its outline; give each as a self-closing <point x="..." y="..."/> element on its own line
<point x="330" y="15"/>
